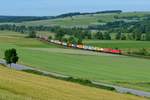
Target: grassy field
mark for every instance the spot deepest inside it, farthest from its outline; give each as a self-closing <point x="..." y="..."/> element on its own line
<point x="122" y="44"/>
<point x="114" y="69"/>
<point x="84" y="20"/>
<point x="15" y="39"/>
<point x="18" y="85"/>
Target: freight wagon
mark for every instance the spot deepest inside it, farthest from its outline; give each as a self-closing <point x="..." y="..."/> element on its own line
<point x="83" y="47"/>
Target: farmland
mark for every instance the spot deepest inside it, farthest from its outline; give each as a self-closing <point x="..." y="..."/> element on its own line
<point x="83" y="20"/>
<point x="74" y="50"/>
<point x="34" y="87"/>
<point x="121" y="70"/>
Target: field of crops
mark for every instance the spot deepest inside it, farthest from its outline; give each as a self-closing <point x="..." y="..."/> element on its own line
<point x="23" y="86"/>
<point x="114" y="69"/>
<point x="83" y="20"/>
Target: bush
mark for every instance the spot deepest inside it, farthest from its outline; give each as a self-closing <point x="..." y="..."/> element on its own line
<point x="32" y="34"/>
<point x="142" y="52"/>
<point x="50" y="37"/>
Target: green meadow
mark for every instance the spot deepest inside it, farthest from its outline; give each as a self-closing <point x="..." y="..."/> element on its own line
<point x="115" y="69"/>
<point x="17" y="85"/>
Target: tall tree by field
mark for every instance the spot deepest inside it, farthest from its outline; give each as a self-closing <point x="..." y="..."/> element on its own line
<point x="130" y="36"/>
<point x="80" y="41"/>
<point x="123" y="37"/>
<point x="86" y="34"/>
<point x="107" y="36"/>
<point x="32" y="34"/>
<point x="64" y="39"/>
<point x="143" y="37"/>
<point x="11" y="56"/>
<point x="50" y="37"/>
<point x="59" y="34"/>
<point x="99" y="35"/>
<point x="148" y="37"/>
<point x="118" y="36"/>
<point x="72" y="40"/>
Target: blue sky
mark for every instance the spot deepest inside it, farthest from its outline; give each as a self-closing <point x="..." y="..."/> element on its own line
<point x="55" y="7"/>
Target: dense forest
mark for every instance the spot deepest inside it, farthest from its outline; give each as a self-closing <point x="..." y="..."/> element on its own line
<point x="17" y="19"/>
<point x="87" y="13"/>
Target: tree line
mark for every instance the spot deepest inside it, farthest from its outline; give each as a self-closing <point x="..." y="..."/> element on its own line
<point x="123" y="31"/>
<point x="18" y="19"/>
<point x="135" y="30"/>
<point x="79" y="33"/>
<point x="87" y="13"/>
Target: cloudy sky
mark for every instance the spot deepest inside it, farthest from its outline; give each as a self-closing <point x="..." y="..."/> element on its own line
<point x="55" y="7"/>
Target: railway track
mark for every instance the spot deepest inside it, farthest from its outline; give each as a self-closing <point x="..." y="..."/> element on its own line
<point x="81" y="46"/>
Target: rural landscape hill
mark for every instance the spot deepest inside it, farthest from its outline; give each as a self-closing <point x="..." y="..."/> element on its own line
<point x="18" y="85"/>
<point x="108" y="47"/>
<point x="89" y="19"/>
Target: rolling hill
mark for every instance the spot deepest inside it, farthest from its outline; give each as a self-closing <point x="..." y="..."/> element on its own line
<point x="88" y="19"/>
<point x="115" y="69"/>
<point x="15" y="85"/>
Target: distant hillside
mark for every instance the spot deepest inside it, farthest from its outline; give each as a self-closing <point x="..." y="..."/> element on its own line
<point x="87" y="13"/>
<point x="88" y="19"/>
<point x="18" y="19"/>
<point x="21" y="18"/>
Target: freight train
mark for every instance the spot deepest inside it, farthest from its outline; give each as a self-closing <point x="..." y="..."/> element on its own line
<point x="81" y="46"/>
